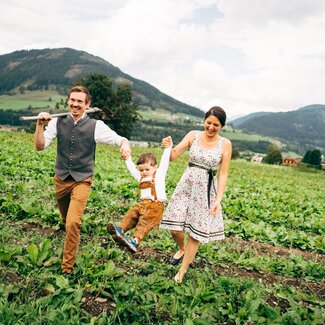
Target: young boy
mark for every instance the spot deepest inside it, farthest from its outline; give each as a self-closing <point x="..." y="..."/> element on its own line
<point x="147" y="214"/>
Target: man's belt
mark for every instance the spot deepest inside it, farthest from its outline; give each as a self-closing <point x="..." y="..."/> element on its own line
<point x="211" y="173"/>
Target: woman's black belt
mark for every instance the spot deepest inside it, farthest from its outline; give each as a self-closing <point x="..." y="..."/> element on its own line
<point x="211" y="173"/>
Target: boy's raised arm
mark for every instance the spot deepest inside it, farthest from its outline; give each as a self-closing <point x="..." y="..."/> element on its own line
<point x="132" y="168"/>
<point x="167" y="143"/>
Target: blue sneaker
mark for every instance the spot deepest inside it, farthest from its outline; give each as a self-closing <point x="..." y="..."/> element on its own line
<point x="119" y="231"/>
<point x="115" y="230"/>
<point x="131" y="243"/>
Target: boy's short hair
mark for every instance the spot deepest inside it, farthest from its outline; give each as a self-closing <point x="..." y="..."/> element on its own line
<point x="146" y="158"/>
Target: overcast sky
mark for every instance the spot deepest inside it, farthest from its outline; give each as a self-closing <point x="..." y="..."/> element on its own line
<point x="245" y="56"/>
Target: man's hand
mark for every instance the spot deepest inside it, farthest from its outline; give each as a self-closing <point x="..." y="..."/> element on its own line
<point x="125" y="149"/>
<point x="43" y="118"/>
<point x="167" y="142"/>
<point x="39" y="139"/>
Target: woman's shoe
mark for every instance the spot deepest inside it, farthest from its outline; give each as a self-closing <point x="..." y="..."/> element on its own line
<point x="174" y="261"/>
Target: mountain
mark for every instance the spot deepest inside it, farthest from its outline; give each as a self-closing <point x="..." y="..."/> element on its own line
<point x="59" y="68"/>
<point x="237" y="121"/>
<point x="303" y="129"/>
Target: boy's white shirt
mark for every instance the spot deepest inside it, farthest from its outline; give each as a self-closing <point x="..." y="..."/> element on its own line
<point x="159" y="178"/>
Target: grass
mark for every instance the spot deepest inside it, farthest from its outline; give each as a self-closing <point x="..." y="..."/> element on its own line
<point x="40" y="99"/>
<point x="33" y="99"/>
<point x="239" y="135"/>
<point x="163" y="116"/>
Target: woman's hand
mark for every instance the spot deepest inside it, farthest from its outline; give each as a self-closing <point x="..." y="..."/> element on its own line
<point x="167" y="142"/>
<point x="215" y="208"/>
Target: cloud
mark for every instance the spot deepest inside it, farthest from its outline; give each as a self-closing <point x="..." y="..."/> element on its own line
<point x="245" y="55"/>
<point x="261" y="12"/>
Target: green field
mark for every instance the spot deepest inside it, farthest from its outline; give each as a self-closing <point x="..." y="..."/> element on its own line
<point x="269" y="270"/>
<point x="232" y="134"/>
<point x="40" y="99"/>
<point x="160" y="115"/>
<point x="34" y="99"/>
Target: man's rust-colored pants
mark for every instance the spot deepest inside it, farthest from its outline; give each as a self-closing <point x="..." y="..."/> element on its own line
<point x="72" y="197"/>
<point x="143" y="217"/>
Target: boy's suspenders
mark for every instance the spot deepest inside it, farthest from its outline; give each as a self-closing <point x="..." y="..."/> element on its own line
<point x="149" y="184"/>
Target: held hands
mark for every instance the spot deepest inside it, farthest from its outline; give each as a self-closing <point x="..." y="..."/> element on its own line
<point x="167" y="142"/>
<point x="125" y="149"/>
<point x="43" y="118"/>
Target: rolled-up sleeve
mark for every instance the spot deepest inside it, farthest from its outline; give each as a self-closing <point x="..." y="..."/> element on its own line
<point x="50" y="132"/>
<point x="104" y="134"/>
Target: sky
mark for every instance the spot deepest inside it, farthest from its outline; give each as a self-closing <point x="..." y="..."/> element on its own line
<point x="245" y="56"/>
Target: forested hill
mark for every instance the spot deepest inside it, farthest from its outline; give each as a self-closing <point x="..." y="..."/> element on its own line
<point x="236" y="122"/>
<point x="59" y="68"/>
<point x="303" y="127"/>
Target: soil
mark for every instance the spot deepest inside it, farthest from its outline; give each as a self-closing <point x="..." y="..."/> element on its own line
<point x="270" y="250"/>
<point x="95" y="305"/>
<point x="311" y="287"/>
<point x="9" y="277"/>
<point x="238" y="244"/>
<point x="33" y="227"/>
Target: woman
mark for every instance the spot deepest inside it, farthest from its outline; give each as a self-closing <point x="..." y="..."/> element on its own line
<point x="195" y="205"/>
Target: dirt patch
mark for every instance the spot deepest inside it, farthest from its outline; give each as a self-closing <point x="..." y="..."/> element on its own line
<point x="147" y="254"/>
<point x="311" y="287"/>
<point x="238" y="244"/>
<point x="95" y="305"/>
<point x="33" y="227"/>
<point x="10" y="278"/>
<point x="273" y="301"/>
<point x="316" y="288"/>
<point x="270" y="250"/>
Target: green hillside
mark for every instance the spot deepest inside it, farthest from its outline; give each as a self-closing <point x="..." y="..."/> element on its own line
<point x="31" y="99"/>
<point x="302" y="129"/>
<point x="248" y="117"/>
<point x="57" y="69"/>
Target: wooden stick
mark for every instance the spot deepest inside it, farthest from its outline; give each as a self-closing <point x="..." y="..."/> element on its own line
<point x="33" y="118"/>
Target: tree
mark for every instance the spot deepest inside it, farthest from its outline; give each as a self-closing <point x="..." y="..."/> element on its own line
<point x="116" y="99"/>
<point x="273" y="156"/>
<point x="125" y="111"/>
<point x="235" y="153"/>
<point x="313" y="158"/>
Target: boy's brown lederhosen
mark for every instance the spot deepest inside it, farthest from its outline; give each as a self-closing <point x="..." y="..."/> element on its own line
<point x="145" y="215"/>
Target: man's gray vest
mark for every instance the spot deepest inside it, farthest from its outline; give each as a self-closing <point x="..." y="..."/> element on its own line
<point x="76" y="148"/>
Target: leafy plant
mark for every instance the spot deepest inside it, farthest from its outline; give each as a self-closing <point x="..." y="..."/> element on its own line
<point x="37" y="255"/>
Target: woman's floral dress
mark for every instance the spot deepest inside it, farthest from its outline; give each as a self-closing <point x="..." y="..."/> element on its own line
<point x="188" y="207"/>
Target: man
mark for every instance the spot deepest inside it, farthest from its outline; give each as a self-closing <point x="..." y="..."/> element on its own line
<point x="77" y="136"/>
